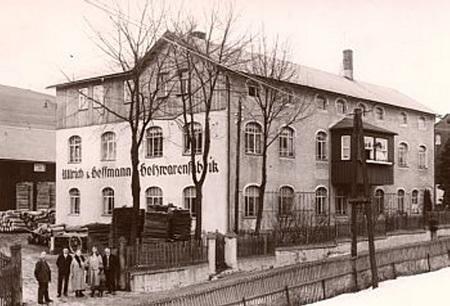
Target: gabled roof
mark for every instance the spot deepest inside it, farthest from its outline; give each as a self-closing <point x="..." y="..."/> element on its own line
<point x="347" y="124"/>
<point x="26" y="108"/>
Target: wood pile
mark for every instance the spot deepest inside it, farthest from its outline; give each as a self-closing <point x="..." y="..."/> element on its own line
<point x="25" y="220"/>
<point x="156" y="225"/>
<point x="98" y="235"/>
<point x="180" y="224"/>
<point x="122" y="221"/>
<point x="45" y="232"/>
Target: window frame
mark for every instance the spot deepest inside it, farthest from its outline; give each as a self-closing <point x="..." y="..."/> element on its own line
<point x="372" y="151"/>
<point x="127" y="99"/>
<point x="198" y="136"/>
<point x="379" y="116"/>
<point x="83" y="98"/>
<point x="75" y="202"/>
<point x="153" y="196"/>
<point x="251" y="201"/>
<point x="323" y="106"/>
<point x="341" y="203"/>
<point x="321" y="145"/>
<point x="154" y="141"/>
<point x="286" y="198"/>
<point x="379" y="200"/>
<point x="403" y="119"/>
<point x="346" y="148"/>
<point x="422" y="159"/>
<point x="286" y="148"/>
<point x="189" y="196"/>
<point x="340" y="101"/>
<point x="401" y="194"/>
<point x="422" y="123"/>
<point x="95" y="92"/>
<point x="402" y="155"/>
<point x="253" y="138"/>
<point x="108" y="200"/>
<point x="320" y="201"/>
<point x="75" y="150"/>
<point x="108" y="147"/>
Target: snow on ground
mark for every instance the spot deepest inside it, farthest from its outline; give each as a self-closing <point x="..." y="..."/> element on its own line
<point x="417" y="290"/>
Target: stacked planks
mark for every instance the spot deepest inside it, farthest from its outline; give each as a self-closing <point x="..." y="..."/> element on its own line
<point x="25" y="220"/>
<point x="122" y="221"/>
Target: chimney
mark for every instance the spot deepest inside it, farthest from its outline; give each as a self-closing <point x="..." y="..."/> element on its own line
<point x="348" y="64"/>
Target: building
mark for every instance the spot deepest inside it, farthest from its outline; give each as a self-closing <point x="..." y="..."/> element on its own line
<point x="93" y="165"/>
<point x="441" y="136"/>
<point x="27" y="149"/>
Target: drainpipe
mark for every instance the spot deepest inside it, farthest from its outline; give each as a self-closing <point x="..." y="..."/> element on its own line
<point x="227" y="81"/>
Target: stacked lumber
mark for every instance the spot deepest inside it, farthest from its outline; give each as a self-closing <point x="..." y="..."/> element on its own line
<point x="180" y="224"/>
<point x="45" y="232"/>
<point x="156" y="225"/>
<point x="98" y="235"/>
<point x="25" y="220"/>
<point x="122" y="221"/>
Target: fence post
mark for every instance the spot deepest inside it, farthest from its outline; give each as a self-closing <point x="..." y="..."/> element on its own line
<point x="394" y="270"/>
<point x="428" y="262"/>
<point x="243" y="301"/>
<point x="231" y="250"/>
<point x="355" y="274"/>
<point x="122" y="263"/>
<point x="324" y="289"/>
<point x="288" y="299"/>
<point x="212" y="253"/>
<point x="16" y="260"/>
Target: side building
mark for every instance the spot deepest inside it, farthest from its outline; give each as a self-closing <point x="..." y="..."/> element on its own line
<point x="27" y="149"/>
<point x="306" y="165"/>
<point x="442" y="136"/>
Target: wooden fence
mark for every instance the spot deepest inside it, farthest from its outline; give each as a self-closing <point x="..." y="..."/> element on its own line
<point x="163" y="255"/>
<point x="11" y="277"/>
<point x="304" y="283"/>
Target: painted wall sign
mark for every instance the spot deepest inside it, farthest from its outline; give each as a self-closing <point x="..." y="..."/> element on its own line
<point x="144" y="170"/>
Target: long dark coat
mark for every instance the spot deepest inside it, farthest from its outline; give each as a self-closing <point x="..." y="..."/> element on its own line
<point x="42" y="272"/>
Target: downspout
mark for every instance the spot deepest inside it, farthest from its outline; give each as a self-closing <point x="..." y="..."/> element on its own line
<point x="227" y="84"/>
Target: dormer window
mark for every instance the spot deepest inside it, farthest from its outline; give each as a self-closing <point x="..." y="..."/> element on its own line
<point x="253" y="90"/>
<point x="341" y="107"/>
<point x="379" y="113"/>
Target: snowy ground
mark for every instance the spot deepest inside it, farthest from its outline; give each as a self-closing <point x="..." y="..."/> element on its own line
<point x="418" y="290"/>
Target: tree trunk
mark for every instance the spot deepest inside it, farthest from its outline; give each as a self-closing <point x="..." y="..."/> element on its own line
<point x="198" y="211"/>
<point x="262" y="190"/>
<point x="135" y="189"/>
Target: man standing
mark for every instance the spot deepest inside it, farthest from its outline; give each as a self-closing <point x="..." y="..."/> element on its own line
<point x="63" y="263"/>
<point x="110" y="265"/>
<point x="43" y="276"/>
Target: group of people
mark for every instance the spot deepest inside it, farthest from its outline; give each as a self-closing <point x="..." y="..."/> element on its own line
<point x="97" y="272"/>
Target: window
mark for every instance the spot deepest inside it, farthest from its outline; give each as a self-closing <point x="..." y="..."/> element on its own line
<point x="108" y="146"/>
<point x="345" y="147"/>
<point x="376" y="148"/>
<point x="402" y="155"/>
<point x="321" y="102"/>
<point x="321" y="200"/>
<point x="341" y="107"/>
<point x="286" y="200"/>
<point x="75" y="149"/>
<point x="127" y="92"/>
<point x="189" y="195"/>
<point x="83" y="99"/>
<point x="251" y="201"/>
<point x="253" y="90"/>
<point x="403" y="118"/>
<point x="341" y="202"/>
<point x="379" y="113"/>
<point x="154" y="196"/>
<point x="253" y="138"/>
<point x="99" y="96"/>
<point x="401" y="201"/>
<point x="421" y="123"/>
<point x="108" y="201"/>
<point x="422" y="157"/>
<point x="74" y="195"/>
<point x="163" y="86"/>
<point x="363" y="108"/>
<point x="193" y="138"/>
<point x="184" y="82"/>
<point x="321" y="146"/>
<point x="286" y="141"/>
<point x="287" y="96"/>
<point x="415" y="201"/>
<point x="379" y="201"/>
<point x="438" y="140"/>
<point x="154" y="140"/>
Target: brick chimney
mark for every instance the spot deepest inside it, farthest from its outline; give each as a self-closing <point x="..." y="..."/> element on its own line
<point x="348" y="64"/>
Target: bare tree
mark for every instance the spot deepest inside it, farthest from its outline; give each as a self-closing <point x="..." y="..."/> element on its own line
<point x="147" y="83"/>
<point x="204" y="61"/>
<point x="277" y="105"/>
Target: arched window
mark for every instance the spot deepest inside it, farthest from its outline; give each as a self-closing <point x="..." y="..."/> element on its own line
<point x="379" y="201"/>
<point x="321" y="146"/>
<point x="253" y="138"/>
<point x="402" y="155"/>
<point x="321" y="102"/>
<point x="251" y="201"/>
<point x="154" y="140"/>
<point x="193" y="138"/>
<point x="415" y="201"/>
<point x="108" y="200"/>
<point x="154" y="196"/>
<point x="341" y="106"/>
<point x="363" y="108"/>
<point x="403" y="118"/>
<point x="286" y="141"/>
<point x="321" y="201"/>
<point x="189" y="195"/>
<point x="108" y="146"/>
<point x="379" y="113"/>
<point x="422" y="123"/>
<point x="422" y="157"/>
<point x="75" y="149"/>
<point x="401" y="200"/>
<point x="438" y="140"/>
<point x="286" y="200"/>
<point x="74" y="195"/>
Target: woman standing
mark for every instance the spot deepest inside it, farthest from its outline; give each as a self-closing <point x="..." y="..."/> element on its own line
<point x="77" y="268"/>
<point x="95" y="265"/>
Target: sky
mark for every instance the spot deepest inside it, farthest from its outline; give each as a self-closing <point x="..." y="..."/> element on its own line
<point x="400" y="44"/>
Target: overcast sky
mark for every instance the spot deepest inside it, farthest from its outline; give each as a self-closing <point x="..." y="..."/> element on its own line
<point x="400" y="44"/>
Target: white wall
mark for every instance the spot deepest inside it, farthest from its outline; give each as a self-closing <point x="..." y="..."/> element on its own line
<point x="214" y="192"/>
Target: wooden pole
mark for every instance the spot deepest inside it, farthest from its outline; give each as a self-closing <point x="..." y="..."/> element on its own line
<point x="354" y="185"/>
<point x="237" y="165"/>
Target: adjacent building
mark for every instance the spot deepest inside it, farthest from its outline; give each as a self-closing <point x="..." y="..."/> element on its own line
<point x="307" y="165"/>
<point x="27" y="149"/>
<point x="441" y="136"/>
